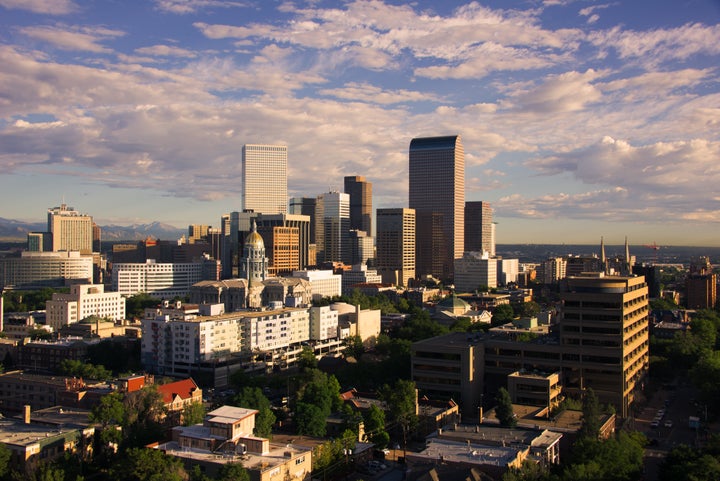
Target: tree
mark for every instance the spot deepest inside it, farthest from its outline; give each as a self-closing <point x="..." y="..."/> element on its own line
<point x="193" y="413"/>
<point x="144" y="464"/>
<point x="307" y="359"/>
<point x="502" y="314"/>
<point x="401" y="400"/>
<point x="529" y="309"/>
<point x="590" y="426"/>
<point x="504" y="408"/>
<point x="4" y="459"/>
<point x="374" y="419"/>
<point x="310" y="419"/>
<point x="233" y="472"/>
<point x="145" y="411"/>
<point x="355" y="347"/>
<point x="253" y="398"/>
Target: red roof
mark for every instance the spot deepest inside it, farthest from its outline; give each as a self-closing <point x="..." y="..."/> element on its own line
<point x="184" y="389"/>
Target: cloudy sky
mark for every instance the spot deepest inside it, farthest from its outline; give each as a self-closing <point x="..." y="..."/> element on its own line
<point x="579" y="118"/>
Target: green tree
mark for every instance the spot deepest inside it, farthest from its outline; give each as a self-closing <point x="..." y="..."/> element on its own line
<point x="135" y="305"/>
<point x="502" y="314"/>
<point x="401" y="400"/>
<point x="310" y="419"/>
<point x="143" y="464"/>
<point x="253" y="398"/>
<point x="233" y="472"/>
<point x="374" y="419"/>
<point x="307" y="359"/>
<point x="355" y="347"/>
<point x="145" y="411"/>
<point x="193" y="413"/>
<point x="4" y="460"/>
<point x="590" y="425"/>
<point x="529" y="309"/>
<point x="504" y="408"/>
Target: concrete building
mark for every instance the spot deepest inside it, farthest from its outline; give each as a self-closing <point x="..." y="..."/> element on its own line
<point x="395" y="257"/>
<point x="602" y="343"/>
<point x="305" y="206"/>
<point x="479" y="235"/>
<point x="535" y="389"/>
<point x="227" y="436"/>
<point x="160" y="280"/>
<point x="35" y="270"/>
<point x="360" y="192"/>
<point x="701" y="291"/>
<point x="323" y="323"/>
<point x="359" y="274"/>
<point x="84" y="300"/>
<point x="552" y="270"/>
<point x="475" y="269"/>
<point x="324" y="283"/>
<point x="264" y="178"/>
<point x="70" y="230"/>
<point x="362" y="247"/>
<point x="437" y="193"/>
<point x="507" y="271"/>
<point x="332" y="222"/>
<point x="358" y="322"/>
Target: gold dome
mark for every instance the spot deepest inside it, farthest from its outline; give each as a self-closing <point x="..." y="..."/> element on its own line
<point x="254" y="239"/>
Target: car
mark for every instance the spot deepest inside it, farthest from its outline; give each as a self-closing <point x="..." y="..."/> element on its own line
<point x="654" y="424"/>
<point x="668" y="424"/>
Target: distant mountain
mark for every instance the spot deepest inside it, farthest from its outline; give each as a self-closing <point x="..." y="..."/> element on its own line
<point x="16" y="230"/>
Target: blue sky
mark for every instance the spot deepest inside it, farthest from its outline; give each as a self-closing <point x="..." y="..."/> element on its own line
<point x="579" y="119"/>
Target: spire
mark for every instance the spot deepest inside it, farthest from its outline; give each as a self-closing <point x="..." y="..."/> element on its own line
<point x="602" y="250"/>
<point x="628" y="265"/>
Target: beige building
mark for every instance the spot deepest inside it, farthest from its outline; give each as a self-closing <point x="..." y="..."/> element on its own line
<point x="226" y="436"/>
<point x="84" y="300"/>
<point x="70" y="230"/>
<point x="264" y="178"/>
<point x="395" y="243"/>
<point x="45" y="269"/>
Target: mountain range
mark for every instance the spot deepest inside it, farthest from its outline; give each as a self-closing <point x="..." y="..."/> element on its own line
<point x="17" y="230"/>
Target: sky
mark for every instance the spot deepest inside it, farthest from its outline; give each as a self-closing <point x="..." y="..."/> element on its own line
<point x="579" y="119"/>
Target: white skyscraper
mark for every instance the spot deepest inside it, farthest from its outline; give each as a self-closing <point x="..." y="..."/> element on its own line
<point x="264" y="178"/>
<point x="333" y="227"/>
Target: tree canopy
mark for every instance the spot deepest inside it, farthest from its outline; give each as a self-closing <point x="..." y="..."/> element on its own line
<point x="504" y="408"/>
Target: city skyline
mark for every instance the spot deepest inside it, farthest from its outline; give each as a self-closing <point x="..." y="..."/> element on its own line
<point x="579" y="119"/>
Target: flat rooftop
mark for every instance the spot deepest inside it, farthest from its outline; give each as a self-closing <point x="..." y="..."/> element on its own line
<point x="277" y="455"/>
<point x="467" y="453"/>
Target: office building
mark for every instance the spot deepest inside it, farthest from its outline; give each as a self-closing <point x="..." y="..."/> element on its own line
<point x="701" y="291"/>
<point x="83" y="301"/>
<point x="362" y="247"/>
<point x="35" y="270"/>
<point x="198" y="233"/>
<point x="264" y="178"/>
<point x="70" y="230"/>
<point x="161" y="280"/>
<point x="360" y="192"/>
<point x="358" y="274"/>
<point x="287" y="240"/>
<point x="324" y="283"/>
<point x="479" y="227"/>
<point x="395" y="256"/>
<point x="39" y="242"/>
<point x="475" y="270"/>
<point x="305" y="206"/>
<point x="507" y="271"/>
<point x="552" y="270"/>
<point x="333" y="227"/>
<point x="437" y="193"/>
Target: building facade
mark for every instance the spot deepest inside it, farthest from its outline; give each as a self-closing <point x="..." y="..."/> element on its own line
<point x="479" y="236"/>
<point x="475" y="269"/>
<point x="333" y="227"/>
<point x="395" y="256"/>
<point x="437" y="188"/>
<point x="45" y="269"/>
<point x="360" y="192"/>
<point x="324" y="283"/>
<point x="264" y="174"/>
<point x="84" y="300"/>
<point x="70" y="230"/>
<point x="160" y="280"/>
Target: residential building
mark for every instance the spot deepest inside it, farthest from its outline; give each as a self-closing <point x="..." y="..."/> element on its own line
<point x="323" y="323"/>
<point x="333" y="227"/>
<point x="264" y="178"/>
<point x="324" y="283"/>
<point x="70" y="230"/>
<point x="552" y="270"/>
<point x="395" y="257"/>
<point x="177" y="395"/>
<point x="35" y="270"/>
<point x="160" y="280"/>
<point x="475" y="269"/>
<point x="479" y="235"/>
<point x="84" y="300"/>
<point x="227" y="436"/>
<point x="360" y="192"/>
<point x="437" y="193"/>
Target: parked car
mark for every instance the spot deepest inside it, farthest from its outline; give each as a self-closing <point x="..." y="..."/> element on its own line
<point x="668" y="424"/>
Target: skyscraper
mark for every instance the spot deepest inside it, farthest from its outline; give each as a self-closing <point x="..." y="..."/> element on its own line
<point x="305" y="206"/>
<point x="479" y="227"/>
<point x="437" y="193"/>
<point x="333" y="227"/>
<point x="396" y="245"/>
<point x="360" y="192"/>
<point x="70" y="230"/>
<point x="264" y="178"/>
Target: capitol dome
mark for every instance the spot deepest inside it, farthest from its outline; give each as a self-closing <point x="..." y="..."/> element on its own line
<point x="254" y="240"/>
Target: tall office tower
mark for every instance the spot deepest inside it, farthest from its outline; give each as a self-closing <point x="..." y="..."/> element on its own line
<point x="332" y="223"/>
<point x="362" y="247"/>
<point x="97" y="237"/>
<point x="225" y="247"/>
<point x="360" y="192"/>
<point x="305" y="206"/>
<point x="437" y="193"/>
<point x="70" y="230"/>
<point x="287" y="237"/>
<point x="479" y="235"/>
<point x="197" y="232"/>
<point x="395" y="257"/>
<point x="264" y="178"/>
<point x="701" y="291"/>
<point x="39" y="242"/>
<point x="604" y="337"/>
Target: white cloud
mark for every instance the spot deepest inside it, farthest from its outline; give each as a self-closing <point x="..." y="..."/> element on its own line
<point x="166" y="51"/>
<point x="47" y="7"/>
<point x="566" y="92"/>
<point x="73" y="38"/>
<point x="365" y="92"/>
<point x="191" y="6"/>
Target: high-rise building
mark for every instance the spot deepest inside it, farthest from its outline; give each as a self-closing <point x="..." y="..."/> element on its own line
<point x="437" y="193"/>
<point x="473" y="270"/>
<point x="360" y="192"/>
<point x="305" y="206"/>
<point x="479" y="236"/>
<point x="332" y="214"/>
<point x="264" y="178"/>
<point x="362" y="247"/>
<point x="701" y="291"/>
<point x="197" y="232"/>
<point x="285" y="236"/>
<point x="70" y="230"/>
<point x="395" y="257"/>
